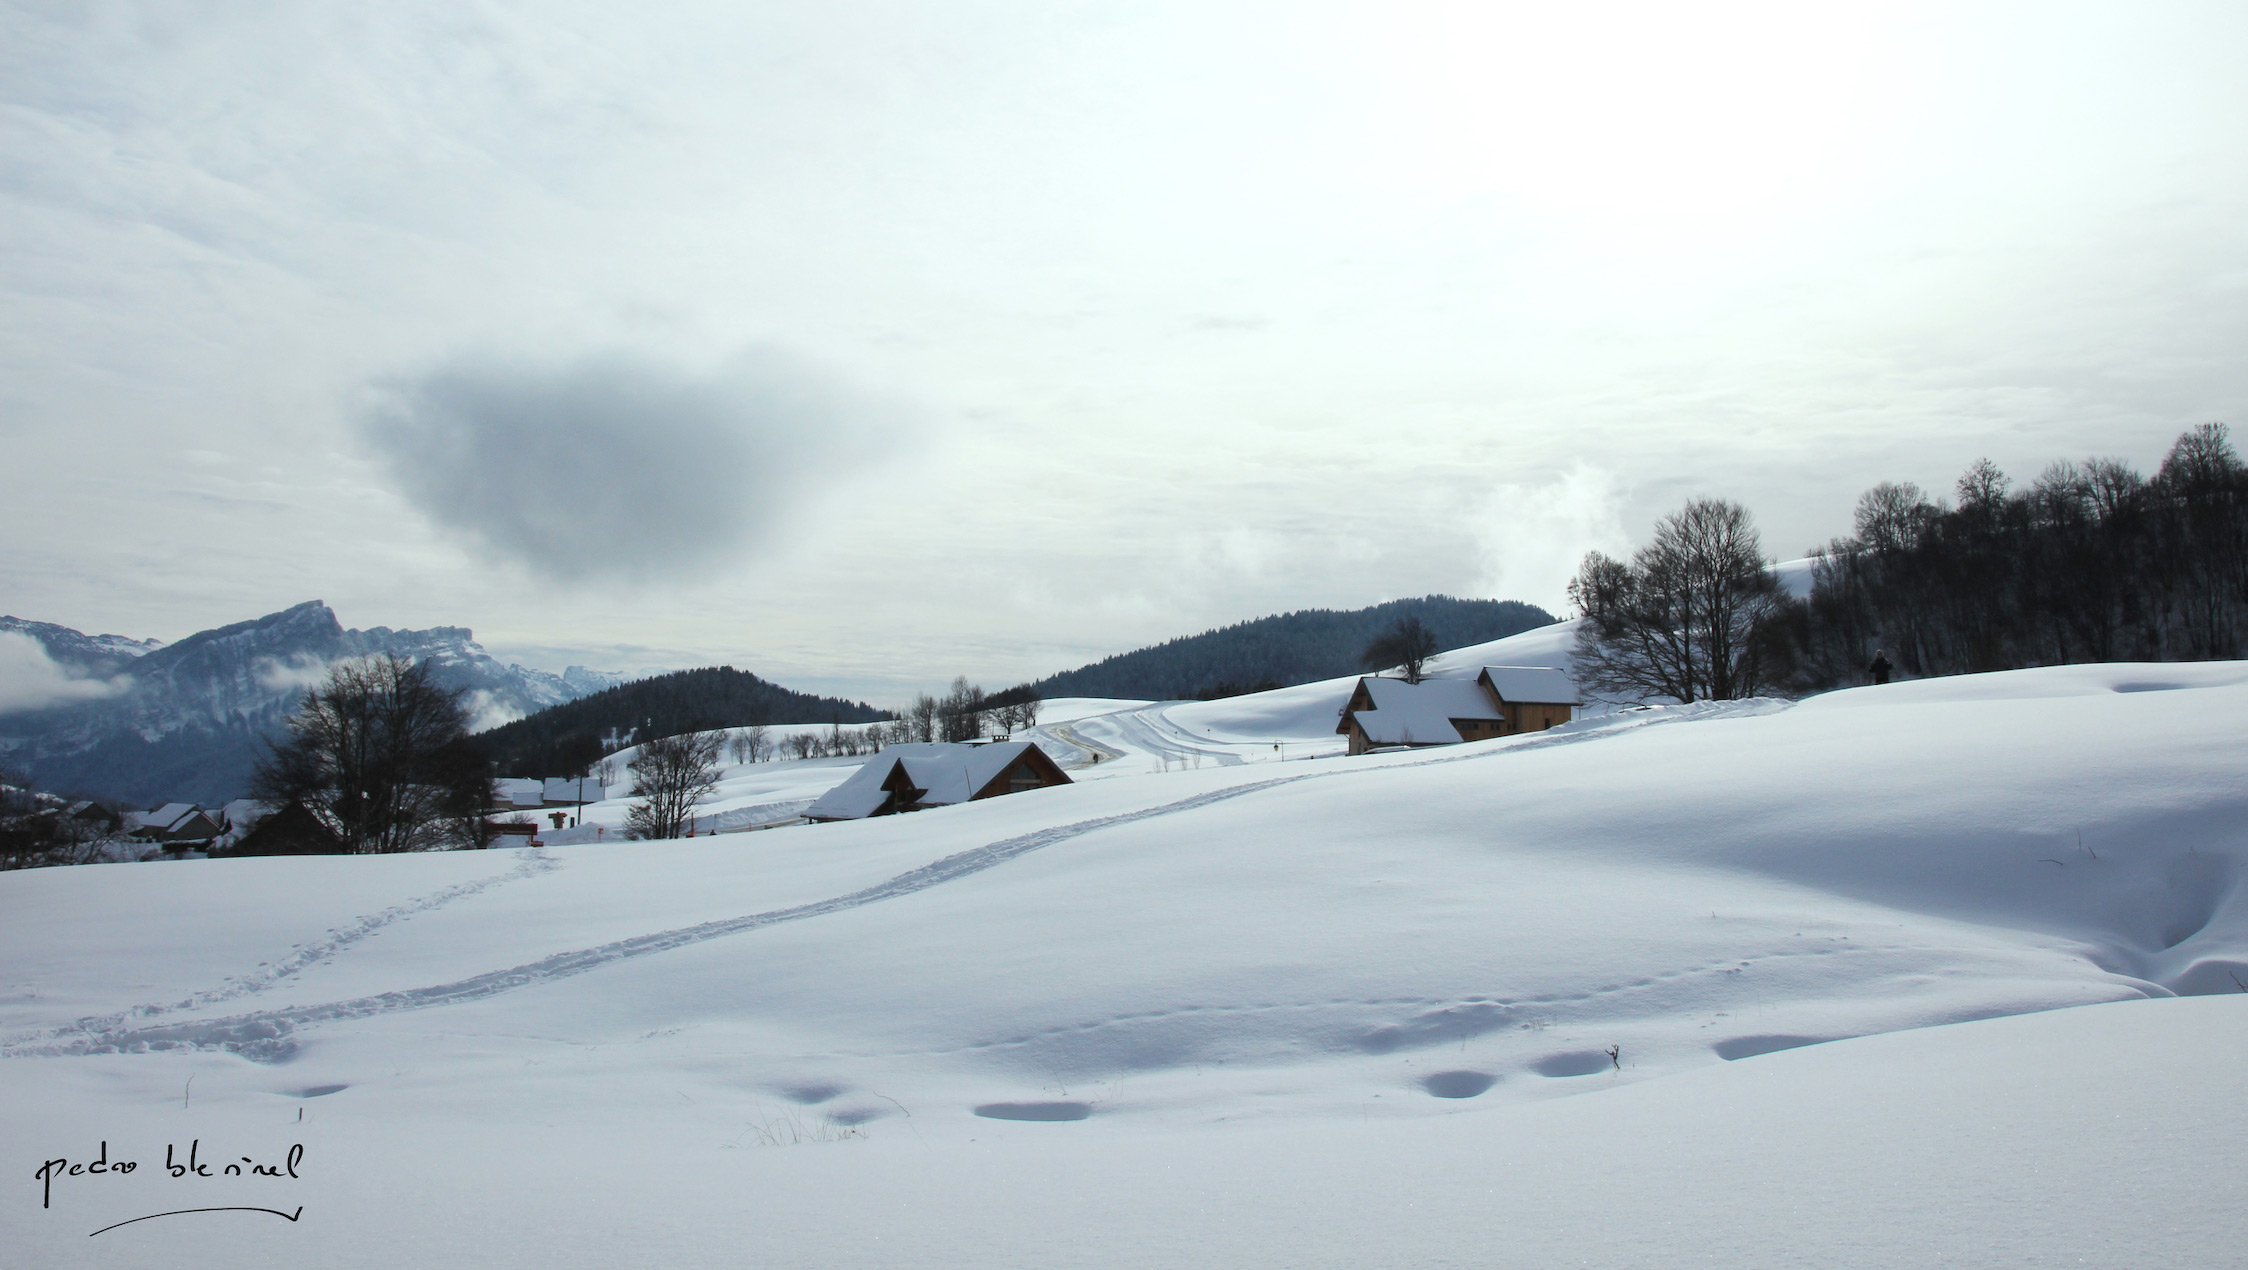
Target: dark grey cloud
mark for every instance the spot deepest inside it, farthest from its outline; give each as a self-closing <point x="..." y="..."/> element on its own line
<point x="619" y="466"/>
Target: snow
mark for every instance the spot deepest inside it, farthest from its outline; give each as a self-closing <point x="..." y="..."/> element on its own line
<point x="1888" y="977"/>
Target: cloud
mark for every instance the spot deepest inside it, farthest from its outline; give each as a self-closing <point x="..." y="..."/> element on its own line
<point x="1532" y="537"/>
<point x="486" y="712"/>
<point x="30" y="680"/>
<point x="277" y="676"/>
<point x="619" y="466"/>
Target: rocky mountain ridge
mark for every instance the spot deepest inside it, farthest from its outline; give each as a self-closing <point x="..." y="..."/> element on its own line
<point x="185" y="720"/>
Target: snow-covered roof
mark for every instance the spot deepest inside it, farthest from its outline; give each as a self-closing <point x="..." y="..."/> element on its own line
<point x="1541" y="684"/>
<point x="569" y="789"/>
<point x="169" y="815"/>
<point x="518" y="791"/>
<point x="1422" y="713"/>
<point x="950" y="772"/>
<point x="860" y="794"/>
<point x="242" y="813"/>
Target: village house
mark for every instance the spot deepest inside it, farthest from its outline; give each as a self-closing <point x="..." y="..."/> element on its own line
<point x="515" y="793"/>
<point x="293" y="830"/>
<point x="924" y="774"/>
<point x="178" y="826"/>
<point x="1534" y="697"/>
<point x="1499" y="701"/>
<point x="93" y="818"/>
<point x="569" y="791"/>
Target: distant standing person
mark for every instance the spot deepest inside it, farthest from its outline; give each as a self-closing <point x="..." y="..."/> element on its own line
<point x="1880" y="667"/>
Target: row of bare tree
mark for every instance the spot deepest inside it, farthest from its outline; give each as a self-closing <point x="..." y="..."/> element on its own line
<point x="2091" y="562"/>
<point x="672" y="775"/>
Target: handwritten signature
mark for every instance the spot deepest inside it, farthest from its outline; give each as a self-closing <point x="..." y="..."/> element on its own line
<point x="191" y="1165"/>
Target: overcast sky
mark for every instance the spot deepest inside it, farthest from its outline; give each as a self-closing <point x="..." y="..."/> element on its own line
<point x="861" y="345"/>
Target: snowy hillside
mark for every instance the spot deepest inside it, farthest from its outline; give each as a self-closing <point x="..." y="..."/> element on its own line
<point x="1543" y="1000"/>
<point x="1093" y="738"/>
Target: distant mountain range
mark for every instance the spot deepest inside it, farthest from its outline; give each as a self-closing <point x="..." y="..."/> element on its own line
<point x="184" y="721"/>
<point x="1293" y="648"/>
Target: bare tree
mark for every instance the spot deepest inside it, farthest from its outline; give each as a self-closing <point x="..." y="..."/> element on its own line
<point x="1691" y="617"/>
<point x="960" y="715"/>
<point x="758" y="740"/>
<point x="737" y="744"/>
<point x="1407" y="645"/>
<point x="922" y="718"/>
<point x="670" y="776"/>
<point x="378" y="752"/>
<point x="1026" y="712"/>
<point x="1983" y="486"/>
<point x="1891" y="516"/>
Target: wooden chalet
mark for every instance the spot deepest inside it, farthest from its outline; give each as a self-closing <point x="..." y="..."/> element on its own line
<point x="293" y="830"/>
<point x="92" y="817"/>
<point x="1499" y="701"/>
<point x="1534" y="698"/>
<point x="921" y="775"/>
<point x="177" y="826"/>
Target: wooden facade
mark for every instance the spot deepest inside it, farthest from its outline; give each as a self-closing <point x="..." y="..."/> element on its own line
<point x="1524" y="715"/>
<point x="1032" y="769"/>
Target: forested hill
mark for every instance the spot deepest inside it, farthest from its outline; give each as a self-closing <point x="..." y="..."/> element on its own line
<point x="1292" y="648"/>
<point x="561" y="740"/>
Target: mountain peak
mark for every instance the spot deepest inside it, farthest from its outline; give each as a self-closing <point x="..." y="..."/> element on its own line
<point x="186" y="719"/>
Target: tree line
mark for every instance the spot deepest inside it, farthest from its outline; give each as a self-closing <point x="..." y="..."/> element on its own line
<point x="965" y="713"/>
<point x="569" y="737"/>
<point x="1291" y="648"/>
<point x="2090" y="562"/>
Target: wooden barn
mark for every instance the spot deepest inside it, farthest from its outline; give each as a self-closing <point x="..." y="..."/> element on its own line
<point x="1534" y="698"/>
<point x="1499" y="701"/>
<point x="924" y="774"/>
<point x="176" y="826"/>
<point x="293" y="830"/>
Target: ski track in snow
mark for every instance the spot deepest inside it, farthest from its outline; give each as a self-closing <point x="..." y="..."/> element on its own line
<point x="1440" y="1020"/>
<point x="264" y="1036"/>
<point x="529" y="862"/>
<point x="1069" y="735"/>
<point x="1152" y="730"/>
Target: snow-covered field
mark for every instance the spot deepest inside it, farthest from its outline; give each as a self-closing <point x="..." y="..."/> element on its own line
<point x="1549" y="1000"/>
